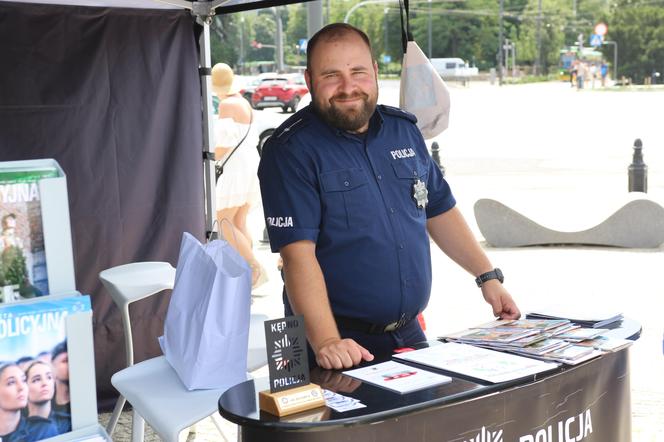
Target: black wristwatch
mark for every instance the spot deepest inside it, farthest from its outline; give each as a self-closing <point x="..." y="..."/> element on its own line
<point x="493" y="274"/>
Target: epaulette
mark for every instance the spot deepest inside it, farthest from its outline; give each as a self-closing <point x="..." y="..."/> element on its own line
<point x="294" y="123"/>
<point x="395" y="111"/>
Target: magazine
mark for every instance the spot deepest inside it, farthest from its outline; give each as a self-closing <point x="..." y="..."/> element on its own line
<point x="398" y="377"/>
<point x="597" y="317"/>
<point x="34" y="360"/>
<point x="478" y="363"/>
<point x="22" y="252"/>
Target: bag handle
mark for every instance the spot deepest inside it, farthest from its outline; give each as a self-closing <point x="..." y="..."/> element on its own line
<point x="406" y="35"/>
<point x="219" y="231"/>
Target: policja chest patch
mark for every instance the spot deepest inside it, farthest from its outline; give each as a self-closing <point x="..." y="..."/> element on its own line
<point x="420" y="193"/>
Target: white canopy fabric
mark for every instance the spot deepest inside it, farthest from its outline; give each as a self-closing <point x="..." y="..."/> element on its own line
<point x="227" y="6"/>
<point x="142" y="4"/>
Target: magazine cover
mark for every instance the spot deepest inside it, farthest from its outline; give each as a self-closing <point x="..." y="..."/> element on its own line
<point x="34" y="368"/>
<point x="22" y="253"/>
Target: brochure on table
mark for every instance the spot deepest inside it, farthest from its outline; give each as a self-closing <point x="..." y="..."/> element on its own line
<point x="478" y="363"/>
<point x="398" y="377"/>
<point x="34" y="208"/>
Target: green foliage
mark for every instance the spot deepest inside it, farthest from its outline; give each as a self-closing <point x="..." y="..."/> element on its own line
<point x="13" y="269"/>
<point x="467" y="29"/>
<point x="637" y="27"/>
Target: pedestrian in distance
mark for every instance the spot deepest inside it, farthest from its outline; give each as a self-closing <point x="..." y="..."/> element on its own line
<point x="235" y="147"/>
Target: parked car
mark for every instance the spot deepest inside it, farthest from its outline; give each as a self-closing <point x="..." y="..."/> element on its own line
<point x="248" y="90"/>
<point x="284" y="91"/>
<point x="266" y="123"/>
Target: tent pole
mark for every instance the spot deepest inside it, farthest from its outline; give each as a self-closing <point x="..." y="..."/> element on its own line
<point x="204" y="11"/>
<point x="208" y="149"/>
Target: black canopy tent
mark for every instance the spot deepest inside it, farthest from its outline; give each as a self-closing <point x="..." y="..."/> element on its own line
<point x="112" y="90"/>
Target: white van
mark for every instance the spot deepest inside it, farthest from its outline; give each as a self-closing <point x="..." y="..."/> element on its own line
<point x="453" y="67"/>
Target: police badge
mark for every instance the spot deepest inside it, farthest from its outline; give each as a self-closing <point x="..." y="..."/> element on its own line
<point x="420" y="193"/>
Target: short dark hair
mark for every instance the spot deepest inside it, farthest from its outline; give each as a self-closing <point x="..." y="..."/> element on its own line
<point x="334" y="31"/>
<point x="23" y="359"/>
<point x="59" y="348"/>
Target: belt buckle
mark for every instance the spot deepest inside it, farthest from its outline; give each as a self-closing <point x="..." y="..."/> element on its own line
<point x="391" y="326"/>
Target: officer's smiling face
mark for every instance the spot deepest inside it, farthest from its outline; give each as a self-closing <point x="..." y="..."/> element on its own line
<point x="342" y="82"/>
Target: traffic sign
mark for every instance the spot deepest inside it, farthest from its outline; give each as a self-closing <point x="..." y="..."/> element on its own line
<point x="601" y="29"/>
<point x="596" y="40"/>
<point x="302" y="44"/>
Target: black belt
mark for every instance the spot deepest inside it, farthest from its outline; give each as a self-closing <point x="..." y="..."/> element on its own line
<point x="367" y="327"/>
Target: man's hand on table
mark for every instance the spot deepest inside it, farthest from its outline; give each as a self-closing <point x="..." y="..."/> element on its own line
<point x="501" y="302"/>
<point x="336" y="353"/>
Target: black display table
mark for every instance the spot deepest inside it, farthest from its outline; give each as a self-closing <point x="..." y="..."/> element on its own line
<point x="586" y="402"/>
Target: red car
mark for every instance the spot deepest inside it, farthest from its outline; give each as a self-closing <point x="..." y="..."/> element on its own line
<point x="284" y="91"/>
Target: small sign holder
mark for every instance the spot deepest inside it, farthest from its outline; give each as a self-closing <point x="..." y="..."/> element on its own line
<point x="290" y="390"/>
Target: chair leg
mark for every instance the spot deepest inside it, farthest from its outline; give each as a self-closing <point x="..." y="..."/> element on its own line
<point x="137" y="427"/>
<point x="119" y="405"/>
<point x="218" y="425"/>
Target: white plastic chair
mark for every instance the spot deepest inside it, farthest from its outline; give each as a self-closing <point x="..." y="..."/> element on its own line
<point x="156" y="392"/>
<point x="128" y="283"/>
<point x="152" y="387"/>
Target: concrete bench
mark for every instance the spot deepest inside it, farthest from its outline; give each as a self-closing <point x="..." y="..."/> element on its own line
<point x="637" y="224"/>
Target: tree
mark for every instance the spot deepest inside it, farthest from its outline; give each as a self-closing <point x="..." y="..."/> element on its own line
<point x="295" y="30"/>
<point x="225" y="39"/>
<point x="637" y="26"/>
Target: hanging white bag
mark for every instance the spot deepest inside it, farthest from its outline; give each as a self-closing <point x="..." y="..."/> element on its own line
<point x="423" y="92"/>
<point x="206" y="331"/>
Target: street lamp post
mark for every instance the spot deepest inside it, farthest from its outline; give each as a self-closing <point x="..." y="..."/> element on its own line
<point x="500" y="43"/>
<point x="429" y="1"/>
<point x="241" y="63"/>
<point x="538" y="63"/>
<point x="385" y="46"/>
<point x="615" y="58"/>
<point x="279" y="43"/>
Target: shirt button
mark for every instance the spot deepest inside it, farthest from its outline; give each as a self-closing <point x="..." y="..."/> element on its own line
<point x="391" y="209"/>
<point x="401" y="246"/>
<point x="380" y="177"/>
<point x="414" y="172"/>
<point x="346" y="183"/>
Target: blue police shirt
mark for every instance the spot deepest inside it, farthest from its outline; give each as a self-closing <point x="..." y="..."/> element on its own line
<point x="353" y="197"/>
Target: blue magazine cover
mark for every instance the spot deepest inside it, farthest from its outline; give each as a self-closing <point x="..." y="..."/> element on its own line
<point x="34" y="368"/>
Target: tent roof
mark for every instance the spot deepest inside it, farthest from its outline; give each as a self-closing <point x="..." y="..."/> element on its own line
<point x="225" y="7"/>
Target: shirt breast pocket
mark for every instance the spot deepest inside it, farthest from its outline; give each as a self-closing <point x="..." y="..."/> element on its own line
<point x="408" y="171"/>
<point x="347" y="197"/>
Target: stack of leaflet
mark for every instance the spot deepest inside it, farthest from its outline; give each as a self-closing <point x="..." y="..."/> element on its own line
<point x="589" y="319"/>
<point x="546" y="339"/>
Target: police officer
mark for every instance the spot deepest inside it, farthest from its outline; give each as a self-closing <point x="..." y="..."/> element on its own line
<point x="351" y="196"/>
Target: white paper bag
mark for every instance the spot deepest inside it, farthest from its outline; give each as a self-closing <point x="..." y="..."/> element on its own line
<point x="423" y="93"/>
<point x="206" y="332"/>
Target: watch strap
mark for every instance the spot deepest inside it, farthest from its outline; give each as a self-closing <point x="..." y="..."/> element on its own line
<point x="493" y="274"/>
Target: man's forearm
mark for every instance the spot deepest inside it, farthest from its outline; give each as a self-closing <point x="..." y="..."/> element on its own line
<point x="451" y="233"/>
<point x="307" y="293"/>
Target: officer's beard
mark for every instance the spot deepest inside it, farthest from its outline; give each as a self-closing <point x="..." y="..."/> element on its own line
<point x="350" y="120"/>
